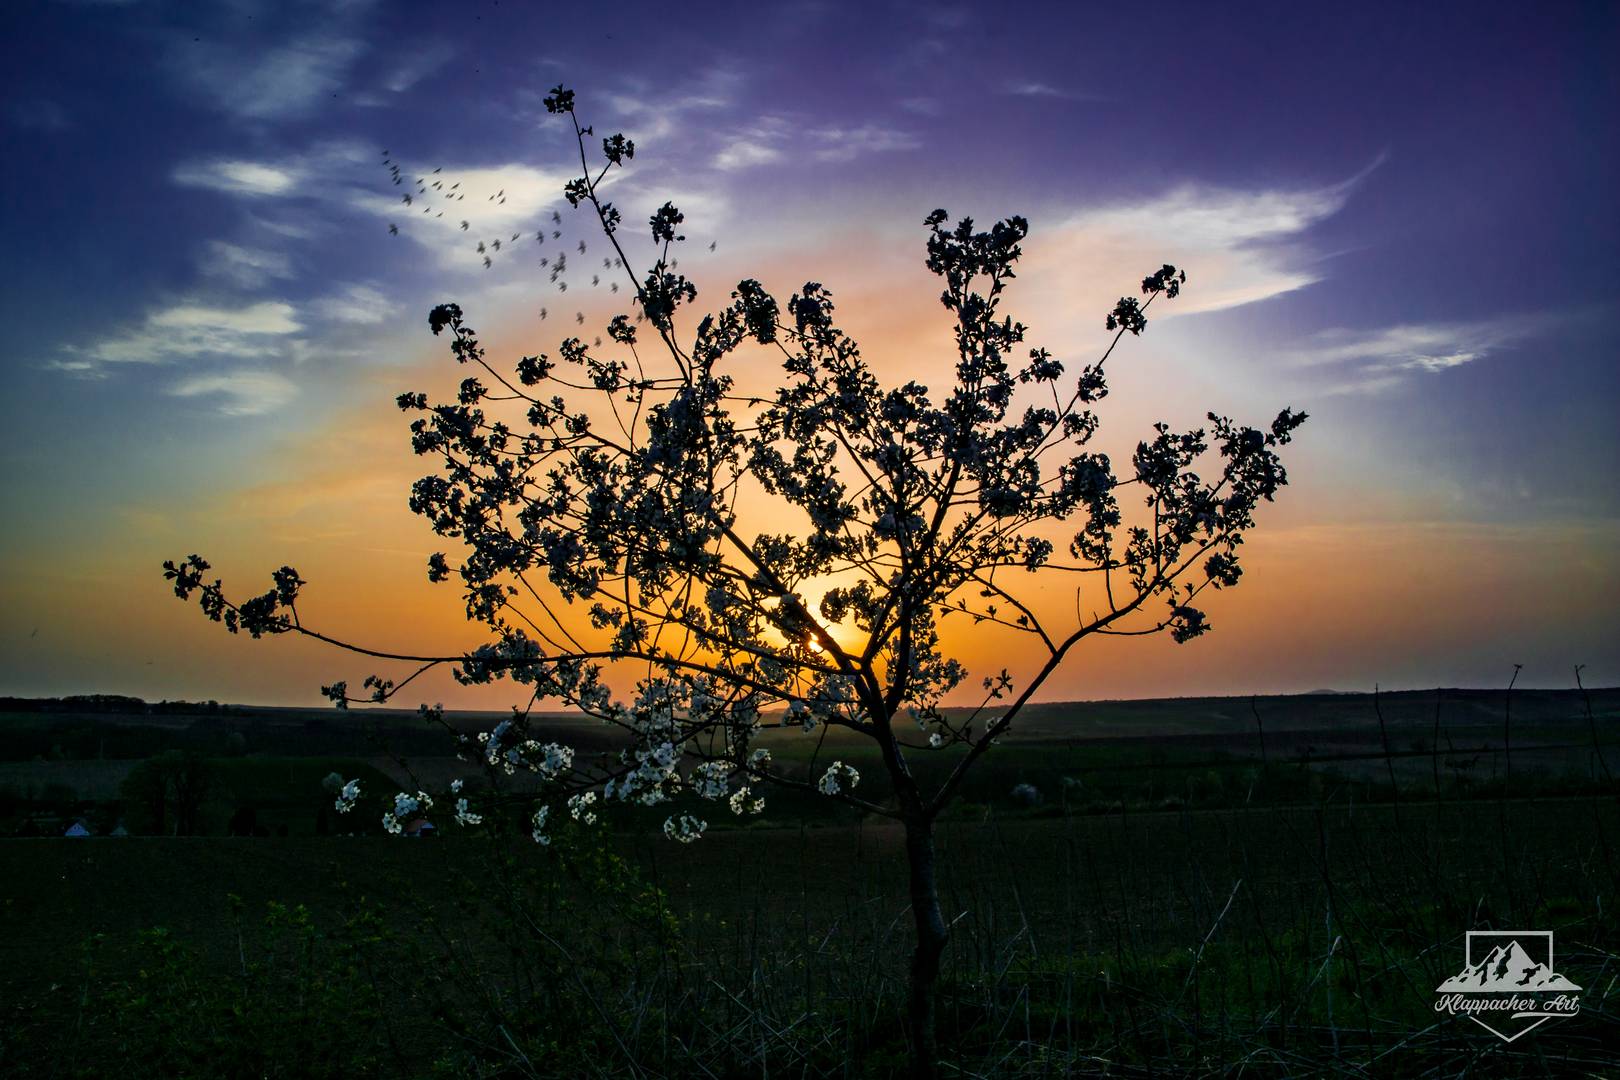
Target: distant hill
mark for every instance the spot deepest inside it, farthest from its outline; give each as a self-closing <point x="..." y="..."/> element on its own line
<point x="1458" y="719"/>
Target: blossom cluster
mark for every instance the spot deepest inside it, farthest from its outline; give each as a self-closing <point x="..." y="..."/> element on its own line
<point x="405" y="804"/>
<point x="684" y="829"/>
<point x="579" y="807"/>
<point x="503" y="750"/>
<point x="348" y="796"/>
<point x="837" y="777"/>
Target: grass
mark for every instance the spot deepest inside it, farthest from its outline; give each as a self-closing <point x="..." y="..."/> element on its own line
<point x="1179" y="942"/>
<point x="1187" y="905"/>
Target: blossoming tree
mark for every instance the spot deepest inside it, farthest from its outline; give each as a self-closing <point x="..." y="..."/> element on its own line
<point x="604" y="533"/>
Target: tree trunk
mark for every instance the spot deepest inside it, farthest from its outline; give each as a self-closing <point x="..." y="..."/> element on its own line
<point x="931" y="935"/>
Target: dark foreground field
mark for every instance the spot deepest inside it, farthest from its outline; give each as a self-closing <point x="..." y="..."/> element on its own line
<point x="1206" y="887"/>
<point x="1305" y="941"/>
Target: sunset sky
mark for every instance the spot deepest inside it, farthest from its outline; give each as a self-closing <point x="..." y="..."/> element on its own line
<point x="1400" y="219"/>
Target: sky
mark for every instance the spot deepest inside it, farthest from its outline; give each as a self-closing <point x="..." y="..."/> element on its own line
<point x="1398" y="218"/>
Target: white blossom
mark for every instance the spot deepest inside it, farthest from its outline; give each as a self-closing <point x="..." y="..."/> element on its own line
<point x="684" y="829"/>
<point x="348" y="796"/>
<point x="741" y="803"/>
<point x="836" y="776"/>
<point x="464" y="816"/>
<point x="711" y="780"/>
<point x="578" y="807"/>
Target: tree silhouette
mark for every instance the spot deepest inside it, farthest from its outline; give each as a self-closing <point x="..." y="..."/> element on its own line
<point x="165" y="794"/>
<point x="603" y="530"/>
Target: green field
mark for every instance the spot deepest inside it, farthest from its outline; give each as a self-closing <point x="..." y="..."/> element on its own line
<point x="1180" y="899"/>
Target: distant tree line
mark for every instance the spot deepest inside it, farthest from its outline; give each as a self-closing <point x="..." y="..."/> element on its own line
<point x="112" y="703"/>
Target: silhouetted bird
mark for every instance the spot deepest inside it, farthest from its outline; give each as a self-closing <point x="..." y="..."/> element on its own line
<point x="393" y="230"/>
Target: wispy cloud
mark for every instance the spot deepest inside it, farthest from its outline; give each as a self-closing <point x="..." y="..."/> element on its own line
<point x="770" y="139"/>
<point x="240" y="393"/>
<point x="333" y="162"/>
<point x="743" y="153"/>
<point x="1238" y="246"/>
<point x="1201" y="216"/>
<point x="757" y="144"/>
<point x="499" y="200"/>
<point x="270" y="317"/>
<point x="418" y="66"/>
<point x="184" y="331"/>
<point x="244" y="267"/>
<point x="1372" y="360"/>
<point x="847" y="144"/>
<point x="359" y="305"/>
<point x="648" y="114"/>
<point x="1036" y="89"/>
<point x="281" y="82"/>
<point x="239" y="177"/>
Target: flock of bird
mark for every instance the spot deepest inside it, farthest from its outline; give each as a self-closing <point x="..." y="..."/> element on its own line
<point x="434" y="197"/>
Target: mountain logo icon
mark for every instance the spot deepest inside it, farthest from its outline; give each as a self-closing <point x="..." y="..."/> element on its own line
<point x="1508" y="984"/>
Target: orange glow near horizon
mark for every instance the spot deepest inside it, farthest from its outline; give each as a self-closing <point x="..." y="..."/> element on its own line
<point x="1317" y="600"/>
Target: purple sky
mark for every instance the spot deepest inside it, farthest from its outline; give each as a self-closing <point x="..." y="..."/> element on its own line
<point x="1400" y="218"/>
